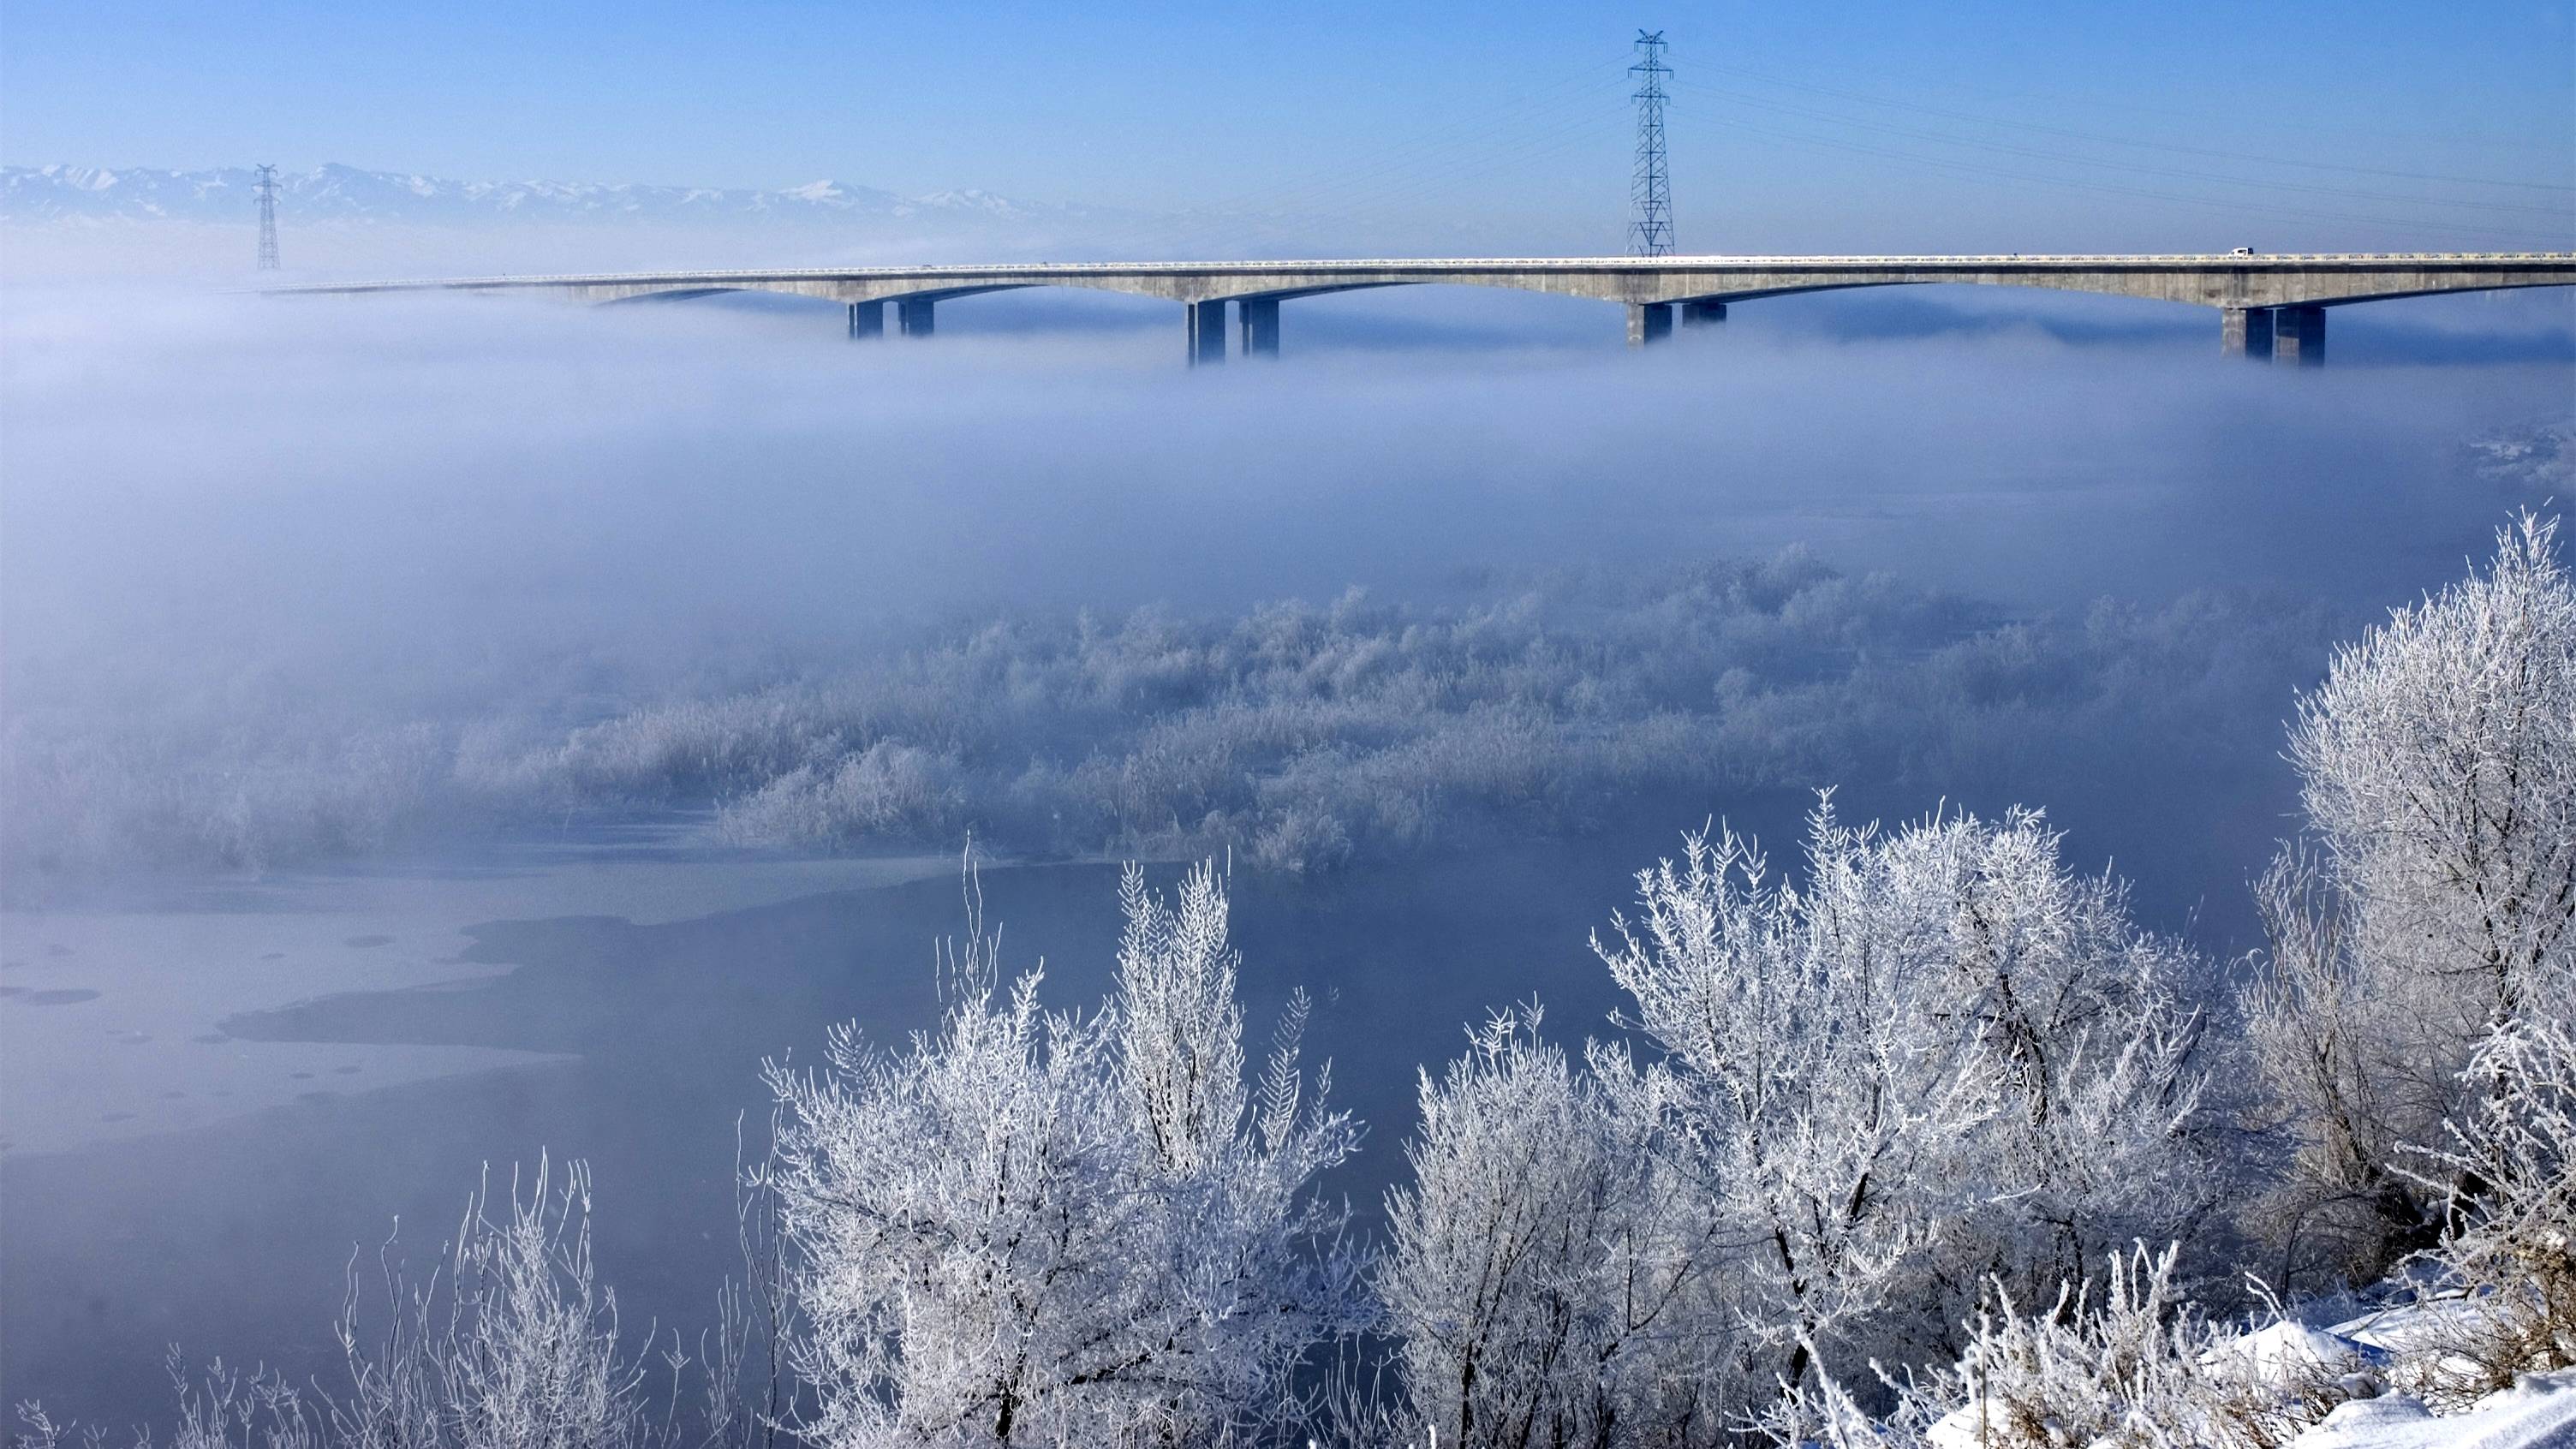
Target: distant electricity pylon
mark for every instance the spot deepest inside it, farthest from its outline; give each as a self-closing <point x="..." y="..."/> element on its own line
<point x="268" y="218"/>
<point x="1650" y="196"/>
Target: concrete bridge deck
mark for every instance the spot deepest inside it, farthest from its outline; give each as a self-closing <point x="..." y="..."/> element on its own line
<point x="2271" y="304"/>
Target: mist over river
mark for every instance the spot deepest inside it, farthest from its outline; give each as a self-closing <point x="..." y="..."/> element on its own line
<point x="447" y="732"/>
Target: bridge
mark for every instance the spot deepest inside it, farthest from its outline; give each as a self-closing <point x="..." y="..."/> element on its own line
<point x="2271" y="306"/>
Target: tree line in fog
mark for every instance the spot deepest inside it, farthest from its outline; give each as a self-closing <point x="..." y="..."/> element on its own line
<point x="1293" y="737"/>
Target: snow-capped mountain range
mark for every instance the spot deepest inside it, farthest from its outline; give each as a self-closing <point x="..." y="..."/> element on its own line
<point x="347" y="194"/>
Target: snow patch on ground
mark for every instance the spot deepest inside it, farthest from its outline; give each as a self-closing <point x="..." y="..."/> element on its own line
<point x="2537" y="1413"/>
<point x="2287" y="1355"/>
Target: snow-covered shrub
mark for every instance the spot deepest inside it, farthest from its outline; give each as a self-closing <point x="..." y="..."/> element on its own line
<point x="887" y="792"/>
<point x="1547" y="1271"/>
<point x="2128" y="1364"/>
<point x="510" y="1342"/>
<point x="1299" y="840"/>
<point x="1033" y="1228"/>
<point x="2508" y="1254"/>
<point x="513" y="1344"/>
<point x="222" y="1409"/>
<point x="2439" y="770"/>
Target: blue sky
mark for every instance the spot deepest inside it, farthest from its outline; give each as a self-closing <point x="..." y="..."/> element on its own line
<point x="1978" y="123"/>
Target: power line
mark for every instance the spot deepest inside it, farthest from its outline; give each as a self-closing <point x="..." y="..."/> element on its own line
<point x="1650" y="195"/>
<point x="2059" y="183"/>
<point x="2100" y="139"/>
<point x="1286" y="204"/>
<point x="2561" y="211"/>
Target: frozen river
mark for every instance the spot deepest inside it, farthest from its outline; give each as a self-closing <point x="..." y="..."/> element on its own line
<point x="268" y="1076"/>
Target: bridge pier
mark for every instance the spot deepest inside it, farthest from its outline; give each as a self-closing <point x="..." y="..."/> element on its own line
<point x="1703" y="314"/>
<point x="2299" y="336"/>
<point x="2245" y="332"/>
<point x="1260" y="317"/>
<point x="912" y="315"/>
<point x="1207" y="331"/>
<point x="1649" y="322"/>
<point x="867" y="319"/>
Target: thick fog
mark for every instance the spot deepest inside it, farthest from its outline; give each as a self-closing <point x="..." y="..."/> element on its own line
<point x="308" y="586"/>
<point x="268" y="528"/>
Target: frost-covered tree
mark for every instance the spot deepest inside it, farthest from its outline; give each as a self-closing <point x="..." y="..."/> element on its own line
<point x="1259" y="1261"/>
<point x="2087" y="1037"/>
<point x="1939" y="1057"/>
<point x="1547" y="1270"/>
<point x="2439" y="769"/>
<point x="1033" y="1228"/>
<point x="1181" y="1032"/>
<point x="1815" y="1091"/>
<point x="2434" y="900"/>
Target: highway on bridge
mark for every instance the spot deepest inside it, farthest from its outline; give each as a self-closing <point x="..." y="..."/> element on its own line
<point x="2271" y="305"/>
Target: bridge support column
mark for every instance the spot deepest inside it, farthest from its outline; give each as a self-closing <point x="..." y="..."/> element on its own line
<point x="2245" y="332"/>
<point x="867" y="319"/>
<point x="1703" y="314"/>
<point x="1207" y="331"/>
<point x="1649" y="322"/>
<point x="2299" y="336"/>
<point x="1260" y="318"/>
<point x="912" y="314"/>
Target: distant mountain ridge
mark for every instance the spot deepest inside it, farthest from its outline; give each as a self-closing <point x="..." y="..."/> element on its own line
<point x="346" y="193"/>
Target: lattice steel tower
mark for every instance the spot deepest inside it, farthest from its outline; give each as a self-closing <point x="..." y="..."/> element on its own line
<point x="268" y="218"/>
<point x="1650" y="196"/>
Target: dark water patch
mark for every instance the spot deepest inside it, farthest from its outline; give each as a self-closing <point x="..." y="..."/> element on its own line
<point x="13" y="990"/>
<point x="368" y="941"/>
<point x="107" y="1264"/>
<point x="64" y="996"/>
<point x="347" y="1071"/>
<point x="273" y="956"/>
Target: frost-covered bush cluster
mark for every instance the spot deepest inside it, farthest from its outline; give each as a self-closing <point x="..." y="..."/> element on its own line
<point x="509" y="1342"/>
<point x="1922" y="1142"/>
<point x="2433" y="903"/>
<point x="81" y="790"/>
<point x="1296" y="737"/>
<point x="1542" y="1271"/>
<point x="2125" y="1361"/>
<point x="1041" y="1228"/>
<point x="2507" y="1181"/>
<point x="1938" y="1061"/>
